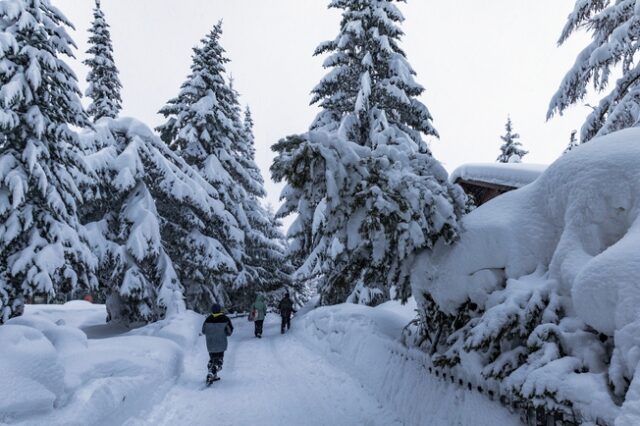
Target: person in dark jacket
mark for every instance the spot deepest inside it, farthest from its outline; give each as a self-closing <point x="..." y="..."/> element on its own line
<point x="217" y="327"/>
<point x="286" y="310"/>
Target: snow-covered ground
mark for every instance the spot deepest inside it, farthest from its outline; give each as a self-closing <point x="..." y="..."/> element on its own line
<point x="53" y="374"/>
<point x="339" y="365"/>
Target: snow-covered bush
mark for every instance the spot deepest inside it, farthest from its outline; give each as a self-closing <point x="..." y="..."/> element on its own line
<point x="541" y="292"/>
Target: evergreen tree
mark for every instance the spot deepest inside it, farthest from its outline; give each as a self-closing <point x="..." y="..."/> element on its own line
<point x="613" y="49"/>
<point x="573" y="142"/>
<point x="366" y="189"/>
<point x="370" y="75"/>
<point x="266" y="257"/>
<point x="42" y="175"/>
<point x="205" y="127"/>
<point x="160" y="230"/>
<point x="511" y="149"/>
<point x="104" y="84"/>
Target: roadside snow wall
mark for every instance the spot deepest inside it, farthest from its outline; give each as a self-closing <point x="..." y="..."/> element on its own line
<point x="364" y="341"/>
<point x="542" y="292"/>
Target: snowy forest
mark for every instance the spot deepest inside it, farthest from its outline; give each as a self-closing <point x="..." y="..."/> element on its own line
<point x="383" y="287"/>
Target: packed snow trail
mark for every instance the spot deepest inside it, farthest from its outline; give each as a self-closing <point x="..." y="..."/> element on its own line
<point x="268" y="381"/>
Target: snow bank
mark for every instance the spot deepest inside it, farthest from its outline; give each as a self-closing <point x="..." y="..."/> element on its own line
<point x="515" y="175"/>
<point x="32" y="380"/>
<point x="550" y="272"/>
<point x="182" y="329"/>
<point x="364" y="341"/>
<point x="52" y="374"/>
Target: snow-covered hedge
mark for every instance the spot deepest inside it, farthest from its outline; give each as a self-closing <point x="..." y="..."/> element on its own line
<point x="541" y="293"/>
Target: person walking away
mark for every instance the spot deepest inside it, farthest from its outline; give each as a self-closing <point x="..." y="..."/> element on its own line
<point x="260" y="309"/>
<point x="286" y="310"/>
<point x="217" y="328"/>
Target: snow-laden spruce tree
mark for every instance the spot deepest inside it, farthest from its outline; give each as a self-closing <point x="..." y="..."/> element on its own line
<point x="511" y="150"/>
<point x="205" y="127"/>
<point x="104" y="83"/>
<point x="366" y="189"/>
<point x="613" y="49"/>
<point x="160" y="230"/>
<point x="42" y="174"/>
<point x="266" y="249"/>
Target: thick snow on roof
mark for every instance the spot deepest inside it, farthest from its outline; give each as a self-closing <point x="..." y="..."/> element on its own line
<point x="515" y="175"/>
<point x="572" y="236"/>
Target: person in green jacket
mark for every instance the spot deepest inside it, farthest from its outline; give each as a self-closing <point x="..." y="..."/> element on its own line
<point x="260" y="311"/>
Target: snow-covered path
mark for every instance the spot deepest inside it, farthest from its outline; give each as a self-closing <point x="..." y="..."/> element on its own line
<point x="269" y="381"/>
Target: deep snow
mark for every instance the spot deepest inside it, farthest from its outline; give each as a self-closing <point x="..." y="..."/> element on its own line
<point x="570" y="240"/>
<point x="339" y="365"/>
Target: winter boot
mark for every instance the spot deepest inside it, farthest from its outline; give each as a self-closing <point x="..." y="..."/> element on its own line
<point x="211" y="378"/>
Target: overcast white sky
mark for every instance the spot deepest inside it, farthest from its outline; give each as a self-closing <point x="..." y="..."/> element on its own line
<point x="478" y="60"/>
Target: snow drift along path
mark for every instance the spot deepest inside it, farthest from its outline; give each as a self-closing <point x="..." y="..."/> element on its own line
<point x="269" y="381"/>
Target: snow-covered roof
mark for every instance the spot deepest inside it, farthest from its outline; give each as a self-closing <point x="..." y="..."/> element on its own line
<point x="514" y="175"/>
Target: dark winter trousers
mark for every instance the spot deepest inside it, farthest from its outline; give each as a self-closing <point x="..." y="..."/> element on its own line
<point x="215" y="362"/>
<point x="286" y="323"/>
<point x="258" y="331"/>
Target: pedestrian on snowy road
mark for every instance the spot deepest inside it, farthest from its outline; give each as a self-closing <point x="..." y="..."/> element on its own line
<point x="217" y="327"/>
<point x="259" y="313"/>
<point x="286" y="310"/>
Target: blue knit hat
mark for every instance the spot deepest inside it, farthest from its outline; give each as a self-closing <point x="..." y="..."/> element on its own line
<point x="216" y="309"/>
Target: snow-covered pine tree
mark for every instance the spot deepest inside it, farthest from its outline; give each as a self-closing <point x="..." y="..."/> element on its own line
<point x="266" y="249"/>
<point x="370" y="74"/>
<point x="104" y="84"/>
<point x="160" y="230"/>
<point x="613" y="48"/>
<point x="42" y="174"/>
<point x="205" y="127"/>
<point x="511" y="150"/>
<point x="367" y="191"/>
<point x="573" y="142"/>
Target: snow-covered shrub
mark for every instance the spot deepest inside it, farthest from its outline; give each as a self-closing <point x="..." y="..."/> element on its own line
<point x="541" y="292"/>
